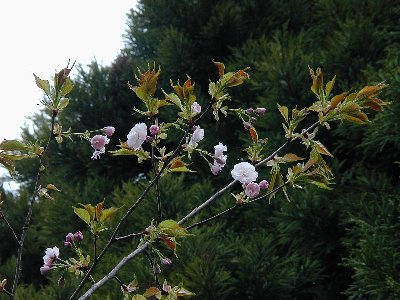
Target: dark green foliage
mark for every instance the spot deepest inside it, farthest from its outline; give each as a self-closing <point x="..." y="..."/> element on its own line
<point x="321" y="245"/>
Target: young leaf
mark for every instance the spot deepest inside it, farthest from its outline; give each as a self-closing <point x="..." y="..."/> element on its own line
<point x="284" y="112"/>
<point x="43" y="84"/>
<point x="329" y="86"/>
<point x="322" y="149"/>
<point x="253" y="134"/>
<point x="337" y="99"/>
<point x="290" y="157"/>
<point x="83" y="214"/>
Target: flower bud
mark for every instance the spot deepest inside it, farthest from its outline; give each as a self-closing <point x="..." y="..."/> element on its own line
<point x="157" y="269"/>
<point x="69" y="238"/>
<point x="261" y="110"/>
<point x="263" y="184"/>
<point x="166" y="261"/>
<point x="109" y="130"/>
<point x="246" y="125"/>
<point x="196" y="108"/>
<point x="78" y="236"/>
<point x="252" y="190"/>
<point x="250" y="111"/>
<point x="148" y="139"/>
<point x="154" y="130"/>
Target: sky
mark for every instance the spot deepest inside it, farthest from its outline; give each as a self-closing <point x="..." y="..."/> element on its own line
<point x="39" y="36"/>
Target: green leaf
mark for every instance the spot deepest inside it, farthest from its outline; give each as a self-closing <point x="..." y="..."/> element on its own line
<point x="67" y="87"/>
<point x="174" y="99"/>
<point x="172" y="228"/>
<point x="63" y="104"/>
<point x="284" y="112"/>
<point x="52" y="187"/>
<point x="138" y="297"/>
<point x="107" y="213"/>
<point x="13" y="145"/>
<point x="43" y="84"/>
<point x="329" y="86"/>
<point x="83" y="214"/>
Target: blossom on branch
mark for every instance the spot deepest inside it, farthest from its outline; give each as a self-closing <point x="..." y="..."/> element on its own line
<point x="197" y="136"/>
<point x="49" y="259"/>
<point x="219" y="159"/>
<point x="244" y="172"/>
<point x="99" y="143"/>
<point x="137" y="136"/>
<point x="252" y="190"/>
<point x="108" y="130"/>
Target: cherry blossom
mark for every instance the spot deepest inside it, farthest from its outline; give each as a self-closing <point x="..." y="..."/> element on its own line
<point x="244" y="172"/>
<point x="137" y="136"/>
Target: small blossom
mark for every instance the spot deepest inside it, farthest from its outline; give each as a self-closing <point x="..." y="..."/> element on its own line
<point x="246" y="125"/>
<point x="252" y="190"/>
<point x="78" y="236"/>
<point x="263" y="184"/>
<point x="197" y="136"/>
<point x="45" y="268"/>
<point x="216" y="168"/>
<point x="219" y="154"/>
<point x="108" y="130"/>
<point x="260" y="110"/>
<point x="250" y="111"/>
<point x="154" y="130"/>
<point x="196" y="108"/>
<point x="244" y="172"/>
<point x="137" y="136"/>
<point x="98" y="143"/>
<point x="166" y="261"/>
<point x="148" y="139"/>
<point x="157" y="269"/>
<point x="49" y="259"/>
<point x="69" y="238"/>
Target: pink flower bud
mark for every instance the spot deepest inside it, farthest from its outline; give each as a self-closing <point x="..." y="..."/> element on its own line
<point x="261" y="110"/>
<point x="154" y="130"/>
<point x="109" y="130"/>
<point x="263" y="184"/>
<point x="246" y="125"/>
<point x="196" y="108"/>
<point x="166" y="261"/>
<point x="45" y="269"/>
<point x="69" y="238"/>
<point x="250" y="111"/>
<point x="78" y="236"/>
<point x="157" y="269"/>
<point x="148" y="139"/>
<point x="252" y="190"/>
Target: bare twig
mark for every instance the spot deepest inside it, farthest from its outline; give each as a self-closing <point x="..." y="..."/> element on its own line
<point x="120" y="238"/>
<point x="18" y="267"/>
<point x="3" y="217"/>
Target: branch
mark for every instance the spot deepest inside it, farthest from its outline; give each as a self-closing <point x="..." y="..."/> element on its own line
<point x="138" y="201"/>
<point x="3" y="217"/>
<point x="114" y="271"/>
<point x="120" y="238"/>
<point x="18" y="267"/>
<point x="233" y="207"/>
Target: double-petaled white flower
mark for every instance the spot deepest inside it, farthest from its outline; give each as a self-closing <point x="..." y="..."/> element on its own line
<point x="244" y="172"/>
<point x="219" y="158"/>
<point x="137" y="136"/>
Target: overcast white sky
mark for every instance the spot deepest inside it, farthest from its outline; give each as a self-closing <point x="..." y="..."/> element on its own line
<point x="39" y="36"/>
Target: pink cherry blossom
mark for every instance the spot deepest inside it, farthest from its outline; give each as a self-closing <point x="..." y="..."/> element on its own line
<point x="252" y="190"/>
<point x="216" y="168"/>
<point x="108" y="130"/>
<point x="78" y="236"/>
<point x="49" y="259"/>
<point x="197" y="136"/>
<point x="98" y="143"/>
<point x="244" y="172"/>
<point x="196" y="108"/>
<point x="137" y="136"/>
<point x="154" y="130"/>
<point x="263" y="184"/>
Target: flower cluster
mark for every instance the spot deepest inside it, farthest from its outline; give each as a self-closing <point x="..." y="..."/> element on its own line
<point x="70" y="238"/>
<point x="219" y="158"/>
<point x="51" y="256"/>
<point x="246" y="173"/>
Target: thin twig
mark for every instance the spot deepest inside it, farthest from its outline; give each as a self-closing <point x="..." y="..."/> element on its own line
<point x="153" y="268"/>
<point x="3" y="217"/>
<point x="120" y="238"/>
<point x="18" y="267"/>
